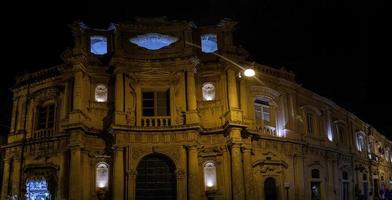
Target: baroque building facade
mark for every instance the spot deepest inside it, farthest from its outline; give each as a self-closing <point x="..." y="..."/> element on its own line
<point x="159" y="109"/>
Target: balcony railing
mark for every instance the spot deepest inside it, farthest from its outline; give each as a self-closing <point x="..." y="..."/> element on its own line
<point x="43" y="133"/>
<point x="160" y="121"/>
<point x="266" y="130"/>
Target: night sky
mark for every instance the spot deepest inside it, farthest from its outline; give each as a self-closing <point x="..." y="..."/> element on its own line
<point x="337" y="48"/>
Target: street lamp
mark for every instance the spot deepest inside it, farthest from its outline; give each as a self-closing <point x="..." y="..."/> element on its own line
<point x="249" y="72"/>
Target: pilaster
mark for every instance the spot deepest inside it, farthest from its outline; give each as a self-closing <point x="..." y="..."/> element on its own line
<point x="193" y="173"/>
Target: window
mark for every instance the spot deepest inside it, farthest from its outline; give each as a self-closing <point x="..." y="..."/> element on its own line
<point x="360" y="142"/>
<point x="209" y="43"/>
<point x="210" y="175"/>
<point x="45" y="117"/>
<point x="263" y="111"/>
<point x="153" y="41"/>
<point x="339" y="129"/>
<point x="102" y="176"/>
<point x="345" y="186"/>
<point x="315" y="185"/>
<point x="101" y="93"/>
<point x="387" y="154"/>
<point x="156" y="103"/>
<point x="208" y="90"/>
<point x="98" y="45"/>
<point x="310" y="123"/>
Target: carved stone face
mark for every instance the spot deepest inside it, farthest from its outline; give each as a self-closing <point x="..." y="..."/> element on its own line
<point x="101" y="93"/>
<point x="208" y="91"/>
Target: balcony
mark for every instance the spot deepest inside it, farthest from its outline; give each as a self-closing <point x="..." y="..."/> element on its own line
<point x="43" y="133"/>
<point x="156" y="121"/>
<point x="266" y="130"/>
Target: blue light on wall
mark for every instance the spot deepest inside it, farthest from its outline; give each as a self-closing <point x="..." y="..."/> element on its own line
<point x="153" y="41"/>
<point x="98" y="45"/>
<point x="209" y="43"/>
<point x="37" y="189"/>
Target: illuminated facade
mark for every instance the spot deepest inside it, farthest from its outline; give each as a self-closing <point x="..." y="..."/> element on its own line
<point x="156" y="109"/>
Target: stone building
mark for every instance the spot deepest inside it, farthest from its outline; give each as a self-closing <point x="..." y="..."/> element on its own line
<point x="159" y="109"/>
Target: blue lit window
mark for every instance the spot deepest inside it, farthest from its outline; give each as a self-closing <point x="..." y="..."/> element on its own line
<point x="153" y="41"/>
<point x="37" y="189"/>
<point x="98" y="45"/>
<point x="209" y="43"/>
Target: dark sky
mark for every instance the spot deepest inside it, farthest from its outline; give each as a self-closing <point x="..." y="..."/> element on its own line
<point x="337" y="48"/>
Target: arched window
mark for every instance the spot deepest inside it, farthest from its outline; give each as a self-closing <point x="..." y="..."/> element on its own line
<point x="345" y="186"/>
<point x="208" y="90"/>
<point x="45" y="121"/>
<point x="360" y="142"/>
<point x="387" y="157"/>
<point x="101" y="93"/>
<point x="98" y="45"/>
<point x="209" y="43"/>
<point x="263" y="110"/>
<point x="102" y="176"/>
<point x="315" y="185"/>
<point x="270" y="191"/>
<point x="340" y="132"/>
<point x="310" y="123"/>
<point x="210" y="175"/>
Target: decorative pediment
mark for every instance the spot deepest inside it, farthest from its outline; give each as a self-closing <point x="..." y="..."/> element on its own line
<point x="315" y="164"/>
<point x="45" y="94"/>
<point x="271" y="163"/>
<point x="311" y="108"/>
<point x="264" y="91"/>
<point x="210" y="152"/>
<point x="270" y="167"/>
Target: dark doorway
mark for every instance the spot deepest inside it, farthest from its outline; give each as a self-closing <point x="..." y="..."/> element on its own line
<point x="156" y="178"/>
<point x="270" y="189"/>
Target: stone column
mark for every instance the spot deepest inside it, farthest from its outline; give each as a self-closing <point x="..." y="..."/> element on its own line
<point x="131" y="184"/>
<point x="192" y="116"/>
<point x="193" y="173"/>
<point x="181" y="175"/>
<point x="78" y="91"/>
<point x="16" y="176"/>
<point x="181" y="186"/>
<point x="244" y="99"/>
<point x="75" y="192"/>
<point x="4" y="186"/>
<point x="119" y="117"/>
<point x="237" y="172"/>
<point x="119" y="92"/>
<point x="299" y="177"/>
<point x="118" y="174"/>
<point x="226" y="172"/>
<point x="191" y="93"/>
<point x="232" y="89"/>
<point x="248" y="175"/>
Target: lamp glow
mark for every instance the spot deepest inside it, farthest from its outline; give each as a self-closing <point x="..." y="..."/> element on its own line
<point x="210" y="183"/>
<point x="249" y="72"/>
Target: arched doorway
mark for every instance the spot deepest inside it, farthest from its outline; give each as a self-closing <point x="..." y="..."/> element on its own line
<point x="270" y="191"/>
<point x="156" y="178"/>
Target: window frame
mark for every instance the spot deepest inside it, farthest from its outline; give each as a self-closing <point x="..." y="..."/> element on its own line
<point x="37" y="126"/>
<point x="155" y="102"/>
